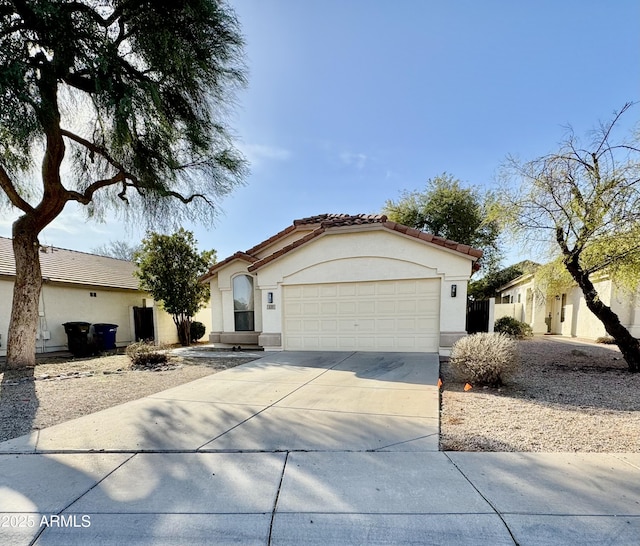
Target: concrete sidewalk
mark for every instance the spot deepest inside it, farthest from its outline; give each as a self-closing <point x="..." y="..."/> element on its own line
<point x="302" y="448"/>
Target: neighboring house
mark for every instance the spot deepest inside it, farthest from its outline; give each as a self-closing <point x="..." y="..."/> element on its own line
<point x="343" y="282"/>
<point x="81" y="287"/>
<point x="566" y="313"/>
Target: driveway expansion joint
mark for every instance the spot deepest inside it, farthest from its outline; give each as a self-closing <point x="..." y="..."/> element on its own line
<point x="493" y="507"/>
<point x="275" y="502"/>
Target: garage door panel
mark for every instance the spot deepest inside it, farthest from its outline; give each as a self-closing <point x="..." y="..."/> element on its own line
<point x="386" y="289"/>
<point x="328" y="290"/>
<point x="347" y="289"/>
<point x="294" y="292"/>
<point x="329" y="308"/>
<point x="293" y="326"/>
<point x="366" y="325"/>
<point x="347" y="307"/>
<point x="347" y="325"/>
<point x="384" y="325"/>
<point x="367" y="343"/>
<point x="404" y="307"/>
<point x="329" y="344"/>
<point x="310" y="291"/>
<point x="329" y="325"/>
<point x="386" y="307"/>
<point x="311" y="309"/>
<point x="427" y="324"/>
<point x="366" y="308"/>
<point x="407" y="288"/>
<point x="406" y="325"/>
<point x="376" y="316"/>
<point x="293" y="309"/>
<point x="347" y="342"/>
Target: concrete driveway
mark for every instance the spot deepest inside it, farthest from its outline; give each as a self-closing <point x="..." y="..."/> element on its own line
<point x="300" y="448"/>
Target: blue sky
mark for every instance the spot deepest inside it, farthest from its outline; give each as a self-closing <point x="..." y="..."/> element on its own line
<point x="352" y="101"/>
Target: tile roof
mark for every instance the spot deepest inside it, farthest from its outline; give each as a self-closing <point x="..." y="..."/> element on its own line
<point x="434" y="239"/>
<point x="70" y="266"/>
<point x="237" y="256"/>
<point x="299" y="242"/>
<point x="338" y="220"/>
<point x="319" y="224"/>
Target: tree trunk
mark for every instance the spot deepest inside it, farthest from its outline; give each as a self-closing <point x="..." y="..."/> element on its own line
<point x="23" y="327"/>
<point x="183" y="326"/>
<point x="629" y="346"/>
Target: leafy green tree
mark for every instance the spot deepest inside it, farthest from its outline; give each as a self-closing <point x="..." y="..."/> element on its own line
<point x="447" y="209"/>
<point x="169" y="268"/>
<point x="487" y="286"/>
<point x="123" y="105"/>
<point x="585" y="201"/>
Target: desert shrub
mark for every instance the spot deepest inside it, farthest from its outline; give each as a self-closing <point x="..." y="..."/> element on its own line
<point x="146" y="355"/>
<point x="606" y="340"/>
<point x="197" y="330"/>
<point x="485" y="359"/>
<point x="512" y="327"/>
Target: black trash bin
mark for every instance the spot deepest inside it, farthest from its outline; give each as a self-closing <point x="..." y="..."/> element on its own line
<point x="78" y="338"/>
<point x="105" y="336"/>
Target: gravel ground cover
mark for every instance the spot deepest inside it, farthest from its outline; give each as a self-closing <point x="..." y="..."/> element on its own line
<point x="567" y="396"/>
<point x="63" y="388"/>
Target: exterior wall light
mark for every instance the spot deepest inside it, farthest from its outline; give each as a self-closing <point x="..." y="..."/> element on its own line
<point x="454" y="290"/>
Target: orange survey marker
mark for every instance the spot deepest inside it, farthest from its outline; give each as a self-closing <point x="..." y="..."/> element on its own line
<point x="467" y="387"/>
<point x="439" y="383"/>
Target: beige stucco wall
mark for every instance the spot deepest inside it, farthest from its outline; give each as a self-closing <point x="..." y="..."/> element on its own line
<point x="61" y="303"/>
<point x="514" y="310"/>
<point x="66" y="303"/>
<point x="165" y="329"/>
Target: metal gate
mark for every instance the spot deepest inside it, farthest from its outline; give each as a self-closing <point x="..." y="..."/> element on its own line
<point x="478" y="316"/>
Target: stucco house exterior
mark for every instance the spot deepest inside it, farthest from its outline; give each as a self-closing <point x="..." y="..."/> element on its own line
<point x="343" y="282"/>
<point x="81" y="287"/>
<point x="566" y="313"/>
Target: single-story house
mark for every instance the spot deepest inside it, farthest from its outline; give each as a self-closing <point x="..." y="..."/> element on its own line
<point x="566" y="313"/>
<point x="81" y="287"/>
<point x="343" y="282"/>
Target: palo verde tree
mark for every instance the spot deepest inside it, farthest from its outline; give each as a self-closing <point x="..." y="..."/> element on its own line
<point x="447" y="209"/>
<point x="169" y="268"/>
<point x="122" y="104"/>
<point x="585" y="200"/>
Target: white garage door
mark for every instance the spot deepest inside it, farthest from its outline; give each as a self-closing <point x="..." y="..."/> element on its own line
<point x="365" y="316"/>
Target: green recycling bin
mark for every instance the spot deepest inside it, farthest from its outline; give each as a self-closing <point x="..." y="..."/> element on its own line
<point x="105" y="335"/>
<point x="78" y="338"/>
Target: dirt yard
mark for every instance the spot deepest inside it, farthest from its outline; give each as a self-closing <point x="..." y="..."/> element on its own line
<point x="567" y="396"/>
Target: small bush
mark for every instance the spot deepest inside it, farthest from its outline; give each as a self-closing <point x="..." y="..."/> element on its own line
<point x="197" y="330"/>
<point x="485" y="359"/>
<point x="512" y="327"/>
<point x="146" y="355"/>
<point x="606" y="340"/>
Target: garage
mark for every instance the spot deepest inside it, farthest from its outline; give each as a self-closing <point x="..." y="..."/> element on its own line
<point x="341" y="282"/>
<point x="395" y="315"/>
